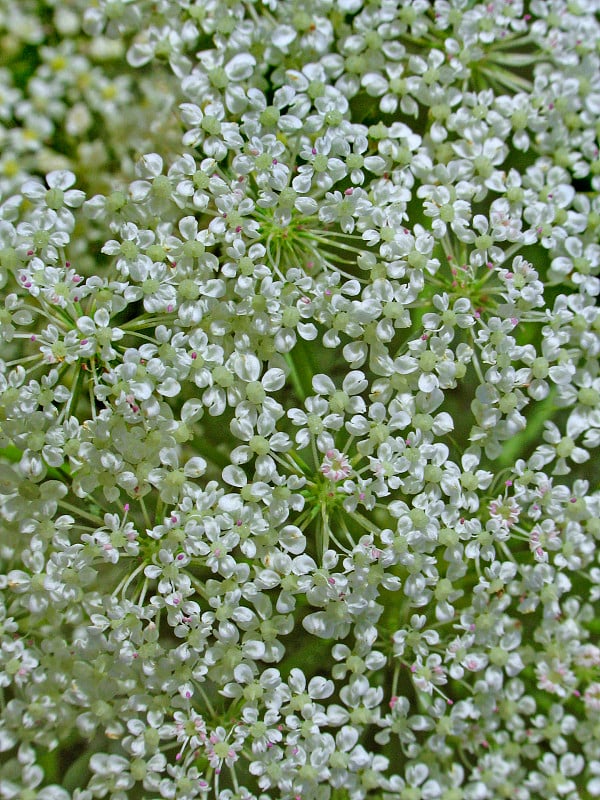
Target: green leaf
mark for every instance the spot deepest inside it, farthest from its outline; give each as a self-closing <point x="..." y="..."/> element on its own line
<point x="11" y="453"/>
<point x="49" y="761"/>
<point x="77" y="775"/>
<point x="302" y="369"/>
<point x="519" y="446"/>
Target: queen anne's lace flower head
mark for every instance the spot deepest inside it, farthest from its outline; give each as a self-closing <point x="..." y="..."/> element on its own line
<point x="299" y="395"/>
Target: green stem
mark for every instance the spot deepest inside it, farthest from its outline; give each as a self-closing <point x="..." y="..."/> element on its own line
<point x="79" y="512"/>
<point x="146" y="322"/>
<point x="325" y="531"/>
<point x="124" y="585"/>
<point x="395" y="680"/>
<point x="23" y="360"/>
<point x="145" y="513"/>
<point x="476" y="365"/>
<point x="209" y="705"/>
<point x="366" y="523"/>
<point x="74" y="398"/>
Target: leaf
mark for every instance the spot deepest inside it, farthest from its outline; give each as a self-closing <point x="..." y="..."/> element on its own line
<point x="518" y="446"/>
<point x="302" y="369"/>
<point x="77" y="775"/>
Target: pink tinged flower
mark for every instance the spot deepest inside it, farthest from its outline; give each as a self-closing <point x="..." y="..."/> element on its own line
<point x="336" y="465"/>
<point x="591" y="697"/>
<point x="588" y="655"/>
<point x="554" y="677"/>
<point x="506" y="511"/>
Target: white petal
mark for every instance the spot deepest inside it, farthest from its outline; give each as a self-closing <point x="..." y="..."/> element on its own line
<point x="240" y="67"/>
<point x="60" y="179"/>
<point x="195" y="467"/>
<point x="322" y="384"/>
<point x="282" y="36"/>
<point x="169" y="388"/>
<point x="273" y="379"/>
<point x="234" y="476"/>
<point x="246" y="366"/>
<point x="306" y="205"/>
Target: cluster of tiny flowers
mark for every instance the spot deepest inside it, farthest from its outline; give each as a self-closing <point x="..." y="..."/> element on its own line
<point x="299" y="400"/>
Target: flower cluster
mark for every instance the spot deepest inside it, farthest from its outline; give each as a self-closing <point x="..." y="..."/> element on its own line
<point x="299" y="393"/>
